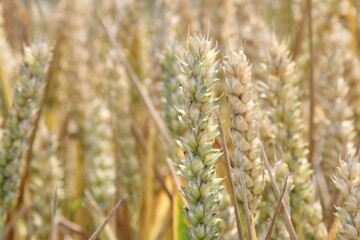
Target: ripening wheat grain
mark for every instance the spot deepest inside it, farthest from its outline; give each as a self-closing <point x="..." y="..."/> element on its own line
<point x="347" y="180"/>
<point x="339" y="133"/>
<point x="280" y="98"/>
<point x="244" y="131"/>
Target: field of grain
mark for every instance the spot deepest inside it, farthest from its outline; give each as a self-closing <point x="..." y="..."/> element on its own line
<point x="179" y="119"/>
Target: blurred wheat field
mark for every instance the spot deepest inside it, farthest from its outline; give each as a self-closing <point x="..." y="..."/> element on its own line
<point x="179" y="119"/>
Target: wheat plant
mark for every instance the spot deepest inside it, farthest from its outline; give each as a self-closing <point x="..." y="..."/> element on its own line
<point x="179" y="119"/>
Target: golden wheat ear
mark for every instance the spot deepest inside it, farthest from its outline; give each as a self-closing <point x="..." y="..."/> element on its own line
<point x="346" y="179"/>
<point x="279" y="94"/>
<point x="244" y="132"/>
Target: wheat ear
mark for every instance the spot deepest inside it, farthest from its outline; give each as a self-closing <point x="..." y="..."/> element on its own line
<point x="347" y="180"/>
<point x="197" y="113"/>
<point x="244" y="130"/>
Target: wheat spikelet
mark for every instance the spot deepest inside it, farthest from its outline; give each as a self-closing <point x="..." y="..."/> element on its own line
<point x="339" y="133"/>
<point x="170" y="90"/>
<point x="281" y="171"/>
<point x="97" y="131"/>
<point x="163" y="30"/>
<point x="71" y="55"/>
<point x="352" y="76"/>
<point x="72" y="76"/>
<point x="346" y="179"/>
<point x="227" y="227"/>
<point x="46" y="177"/>
<point x="127" y="179"/>
<point x="98" y="172"/>
<point x="27" y="97"/>
<point x="244" y="130"/>
<point x="280" y="98"/>
<point x="134" y="40"/>
<point x="198" y="167"/>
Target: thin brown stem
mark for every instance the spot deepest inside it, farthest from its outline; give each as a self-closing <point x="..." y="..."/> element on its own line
<point x="334" y="200"/>
<point x="278" y="205"/>
<point x="107" y="219"/>
<point x="232" y="188"/>
<point x="53" y="217"/>
<point x="299" y="36"/>
<point x="286" y="214"/>
<point x="72" y="227"/>
<point x="99" y="214"/>
<point x="11" y="221"/>
<point x="311" y="83"/>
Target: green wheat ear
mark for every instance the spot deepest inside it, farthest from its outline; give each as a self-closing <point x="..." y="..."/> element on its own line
<point x="197" y="113"/>
<point x="170" y="90"/>
<point x="18" y="127"/>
